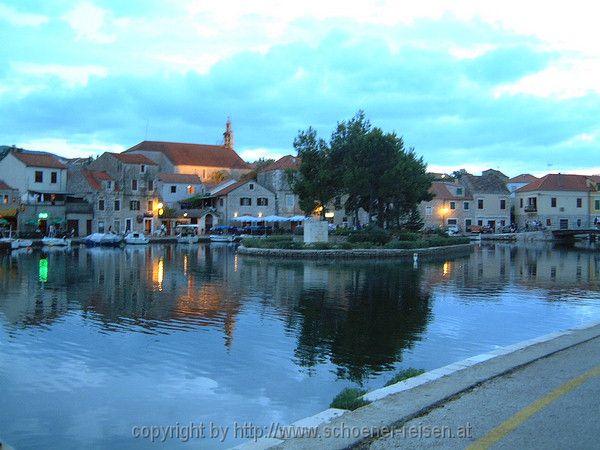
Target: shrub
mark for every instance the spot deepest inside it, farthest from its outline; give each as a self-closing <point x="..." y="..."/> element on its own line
<point x="404" y="375"/>
<point x="407" y="236"/>
<point x="373" y="234"/>
<point x="341" y="231"/>
<point x="349" y="398"/>
<point x="401" y="244"/>
<point x="299" y="230"/>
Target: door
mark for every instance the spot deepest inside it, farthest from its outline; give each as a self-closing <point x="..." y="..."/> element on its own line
<point x="564" y="224"/>
<point x="73" y="227"/>
<point x="148" y="226"/>
<point x="208" y="222"/>
<point x="88" y="227"/>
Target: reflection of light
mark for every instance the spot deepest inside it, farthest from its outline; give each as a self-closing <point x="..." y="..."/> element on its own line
<point x="235" y="263"/>
<point x="446" y="268"/>
<point x="158" y="273"/>
<point x="43" y="270"/>
<point x="185" y="264"/>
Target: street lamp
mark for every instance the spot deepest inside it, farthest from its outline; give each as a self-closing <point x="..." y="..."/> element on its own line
<point x="444" y="211"/>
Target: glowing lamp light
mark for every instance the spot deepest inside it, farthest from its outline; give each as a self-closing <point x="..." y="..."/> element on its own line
<point x="161" y="211"/>
<point x="184" y="214"/>
<point x="260" y="214"/>
<point x="235" y="214"/>
<point x="329" y="214"/>
<point x="160" y="206"/>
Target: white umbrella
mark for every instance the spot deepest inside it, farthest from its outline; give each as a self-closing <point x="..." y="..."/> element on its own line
<point x="296" y="219"/>
<point x="274" y="219"/>
<point x="246" y="219"/>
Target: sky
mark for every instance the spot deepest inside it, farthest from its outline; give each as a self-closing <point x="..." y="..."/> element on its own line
<point x="507" y="85"/>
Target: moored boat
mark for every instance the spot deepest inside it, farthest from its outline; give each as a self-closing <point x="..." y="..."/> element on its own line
<point x="105" y="239"/>
<point x="56" y="242"/>
<point x="187" y="234"/>
<point x="136" y="238"/>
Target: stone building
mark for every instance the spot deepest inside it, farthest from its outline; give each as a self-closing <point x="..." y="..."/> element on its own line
<point x="275" y="178"/>
<point x="128" y="199"/>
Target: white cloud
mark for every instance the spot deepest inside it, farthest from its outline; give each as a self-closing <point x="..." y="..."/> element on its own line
<point x="566" y="78"/>
<point x="71" y="75"/>
<point x="21" y="19"/>
<point x="69" y="149"/>
<point x="257" y="153"/>
<point x="88" y="20"/>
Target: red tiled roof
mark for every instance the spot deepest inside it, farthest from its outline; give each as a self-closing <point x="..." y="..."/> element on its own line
<point x="194" y="154"/>
<point x="179" y="178"/>
<point x="134" y="159"/>
<point x="440" y="191"/>
<point x="286" y="162"/>
<point x="523" y="178"/>
<point x="39" y="160"/>
<point x="94" y="177"/>
<point x="558" y="182"/>
<point x="5" y="187"/>
<point x="232" y="187"/>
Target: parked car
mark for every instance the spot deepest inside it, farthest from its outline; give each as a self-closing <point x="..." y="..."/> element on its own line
<point x="480" y="229"/>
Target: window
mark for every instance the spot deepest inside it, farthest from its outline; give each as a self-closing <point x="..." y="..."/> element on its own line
<point x="173" y="189"/>
<point x="467" y="223"/>
<point x="109" y="185"/>
<point x="142" y="168"/>
<point x="553" y="202"/>
<point x="459" y="191"/>
<point x="134" y="205"/>
<point x="245" y="201"/>
<point x="53" y="177"/>
<point x="520" y="203"/>
<point x="503" y="222"/>
<point x="39" y="176"/>
<point x="480" y="203"/>
<point x="428" y="211"/>
<point x="480" y="223"/>
<point x="150" y="205"/>
<point x="578" y="222"/>
<point x="548" y="222"/>
<point x="134" y="185"/>
<point x="6" y="199"/>
<point x="101" y="205"/>
<point x="100" y="226"/>
<point x="452" y="205"/>
<point x="190" y="189"/>
<point x="466" y="206"/>
<point x="117" y="205"/>
<point x="596" y="204"/>
<point x="220" y="202"/>
<point x="150" y="185"/>
<point x="502" y="204"/>
<point x="451" y="221"/>
<point x="127" y="224"/>
<point x="579" y="203"/>
<point x="251" y="186"/>
<point x="262" y="201"/>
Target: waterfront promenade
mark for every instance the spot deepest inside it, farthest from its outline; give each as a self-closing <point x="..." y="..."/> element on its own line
<point x="541" y="393"/>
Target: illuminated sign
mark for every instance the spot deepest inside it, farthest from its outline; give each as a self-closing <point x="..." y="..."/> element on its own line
<point x="42" y="215"/>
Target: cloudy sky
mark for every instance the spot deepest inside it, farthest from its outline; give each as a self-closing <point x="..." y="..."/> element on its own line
<point x="511" y="85"/>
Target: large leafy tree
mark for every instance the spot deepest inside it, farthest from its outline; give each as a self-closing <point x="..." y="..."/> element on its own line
<point x="368" y="165"/>
<point x="314" y="182"/>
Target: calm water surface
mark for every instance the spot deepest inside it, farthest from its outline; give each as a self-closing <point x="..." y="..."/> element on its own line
<point x="96" y="341"/>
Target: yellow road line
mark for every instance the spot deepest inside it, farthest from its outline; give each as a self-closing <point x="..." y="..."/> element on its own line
<point x="509" y="425"/>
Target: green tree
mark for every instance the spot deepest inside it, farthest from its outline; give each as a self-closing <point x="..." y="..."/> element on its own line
<point x="314" y="182"/>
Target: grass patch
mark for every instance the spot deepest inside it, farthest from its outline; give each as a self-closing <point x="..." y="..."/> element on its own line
<point x="349" y="398"/>
<point x="404" y="375"/>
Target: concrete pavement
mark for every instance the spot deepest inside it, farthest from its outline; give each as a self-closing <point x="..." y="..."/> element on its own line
<point x="541" y="393"/>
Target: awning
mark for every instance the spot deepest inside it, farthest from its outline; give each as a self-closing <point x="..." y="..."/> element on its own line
<point x="297" y="218"/>
<point x="8" y="212"/>
<point x="246" y="219"/>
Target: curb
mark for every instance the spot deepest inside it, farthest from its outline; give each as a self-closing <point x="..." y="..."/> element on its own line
<point x="396" y="404"/>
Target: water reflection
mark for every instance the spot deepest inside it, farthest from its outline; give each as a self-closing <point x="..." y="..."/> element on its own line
<point x="200" y="333"/>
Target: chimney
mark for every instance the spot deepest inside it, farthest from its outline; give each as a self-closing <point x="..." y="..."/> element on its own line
<point x="228" y="135"/>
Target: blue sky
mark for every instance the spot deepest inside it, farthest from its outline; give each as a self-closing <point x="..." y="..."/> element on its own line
<point x="468" y="84"/>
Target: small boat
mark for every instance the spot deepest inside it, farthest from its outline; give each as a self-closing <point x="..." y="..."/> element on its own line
<point x="188" y="234"/>
<point x="224" y="233"/>
<point x="223" y="238"/>
<point x="104" y="239"/>
<point x="56" y="242"/>
<point x="136" y="238"/>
